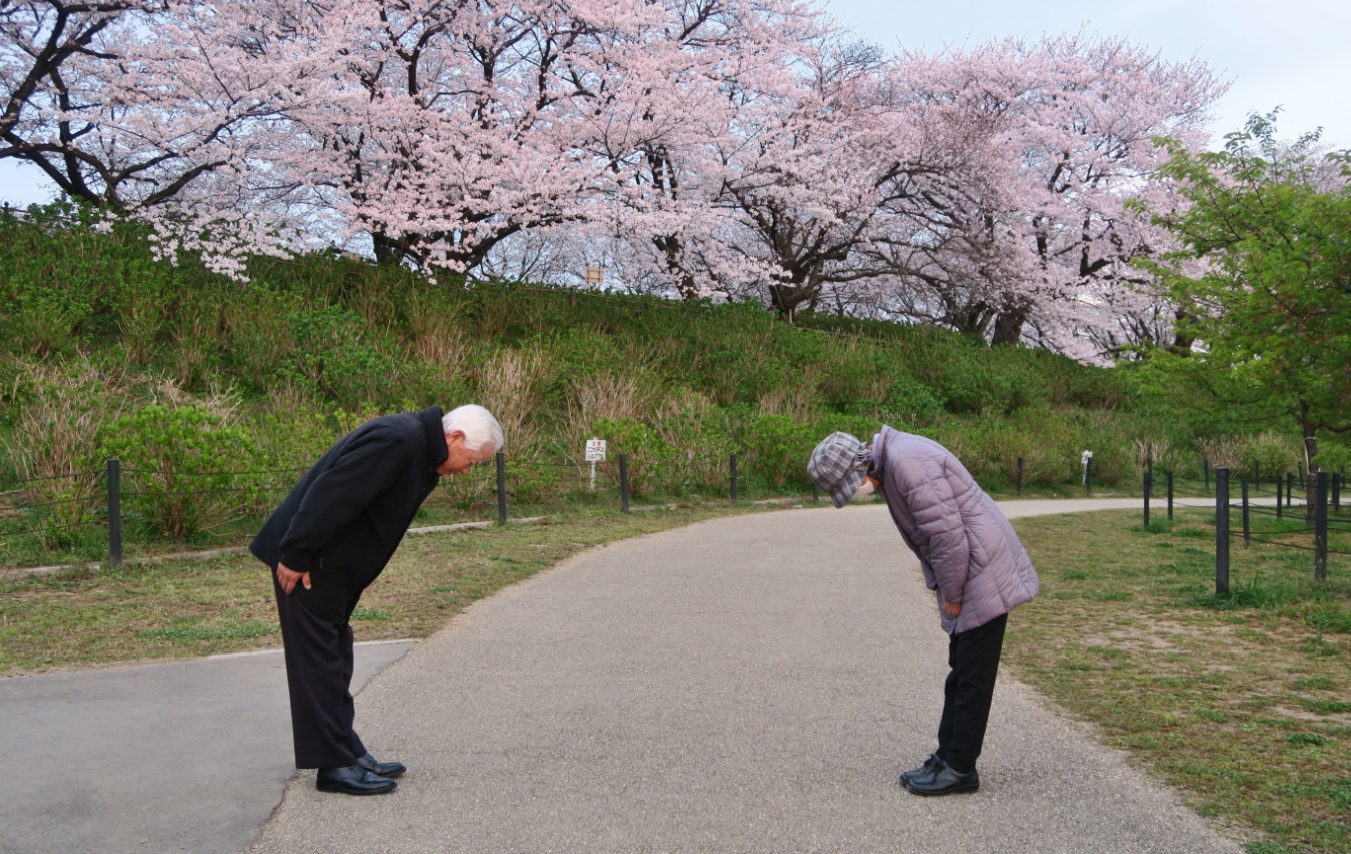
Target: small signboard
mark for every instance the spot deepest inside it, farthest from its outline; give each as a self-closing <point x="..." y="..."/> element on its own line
<point x="595" y="276"/>
<point x="595" y="450"/>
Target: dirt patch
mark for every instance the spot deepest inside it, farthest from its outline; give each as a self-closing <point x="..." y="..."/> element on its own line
<point x="1311" y="717"/>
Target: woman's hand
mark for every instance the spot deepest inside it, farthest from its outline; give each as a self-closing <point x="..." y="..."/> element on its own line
<point x="952" y="609"/>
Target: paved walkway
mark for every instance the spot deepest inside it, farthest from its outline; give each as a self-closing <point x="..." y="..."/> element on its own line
<point x="747" y="684"/>
<point x="181" y="756"/>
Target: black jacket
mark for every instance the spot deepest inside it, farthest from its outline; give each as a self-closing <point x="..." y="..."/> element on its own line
<point x="344" y="519"/>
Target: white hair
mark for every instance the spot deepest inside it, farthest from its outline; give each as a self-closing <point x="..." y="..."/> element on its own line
<point x="477" y="424"/>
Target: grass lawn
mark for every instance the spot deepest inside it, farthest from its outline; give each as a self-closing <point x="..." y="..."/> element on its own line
<point x="1242" y="701"/>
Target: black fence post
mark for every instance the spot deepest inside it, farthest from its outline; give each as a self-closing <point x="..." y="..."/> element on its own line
<point x="1020" y="475"/>
<point x="1320" y="529"/>
<point x="1221" y="531"/>
<point x="1170" y="495"/>
<point x="501" y="487"/>
<point x="1336" y="493"/>
<point x="1247" y="532"/>
<point x="1149" y="486"/>
<point x="1257" y="475"/>
<point x="624" y="482"/>
<point x="115" y="512"/>
<point x="1278" y="497"/>
<point x="1088" y="476"/>
<point x="733" y="478"/>
<point x="1205" y="463"/>
<point x="816" y="492"/>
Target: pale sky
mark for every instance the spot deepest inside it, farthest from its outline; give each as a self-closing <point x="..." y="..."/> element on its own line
<point x="1294" y="54"/>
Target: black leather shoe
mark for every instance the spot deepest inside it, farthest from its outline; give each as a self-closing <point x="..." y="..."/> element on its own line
<point x="353" y="780"/>
<point x="381" y="769"/>
<point x="926" y="772"/>
<point x="946" y="782"/>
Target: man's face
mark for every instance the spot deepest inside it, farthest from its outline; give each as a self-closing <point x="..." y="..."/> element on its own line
<point x="460" y="459"/>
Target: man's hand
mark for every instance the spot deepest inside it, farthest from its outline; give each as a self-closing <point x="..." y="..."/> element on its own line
<point x="287" y="578"/>
<point x="952" y="608"/>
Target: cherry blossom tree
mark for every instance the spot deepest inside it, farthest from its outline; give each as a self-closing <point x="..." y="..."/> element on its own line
<point x="1037" y="240"/>
<point x="666" y="151"/>
<point x="701" y="146"/>
<point x="42" y="45"/>
<point x="127" y="103"/>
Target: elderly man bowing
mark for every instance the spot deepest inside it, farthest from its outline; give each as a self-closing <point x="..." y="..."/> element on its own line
<point x="327" y="542"/>
<point x="969" y="555"/>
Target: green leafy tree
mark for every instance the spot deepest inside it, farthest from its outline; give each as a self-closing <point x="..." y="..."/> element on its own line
<point x="1263" y="277"/>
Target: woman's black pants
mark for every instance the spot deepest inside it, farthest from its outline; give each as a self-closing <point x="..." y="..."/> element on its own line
<point x="973" y="657"/>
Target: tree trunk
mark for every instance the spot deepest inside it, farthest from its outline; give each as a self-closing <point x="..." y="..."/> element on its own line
<point x="1008" y="326"/>
<point x="1182" y="343"/>
<point x="786" y="298"/>
<point x="388" y="251"/>
<point x="673" y="252"/>
<point x="1310" y="435"/>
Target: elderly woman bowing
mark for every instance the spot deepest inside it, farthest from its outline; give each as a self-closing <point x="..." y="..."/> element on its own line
<point x="970" y="557"/>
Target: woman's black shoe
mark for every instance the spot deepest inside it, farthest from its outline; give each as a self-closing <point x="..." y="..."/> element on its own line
<point x="931" y="767"/>
<point x="946" y="782"/>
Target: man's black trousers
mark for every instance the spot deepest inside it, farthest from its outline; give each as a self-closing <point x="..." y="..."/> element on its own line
<point x="319" y="663"/>
<point x="973" y="657"/>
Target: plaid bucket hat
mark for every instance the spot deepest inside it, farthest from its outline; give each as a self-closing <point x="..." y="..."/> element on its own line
<point x="838" y="466"/>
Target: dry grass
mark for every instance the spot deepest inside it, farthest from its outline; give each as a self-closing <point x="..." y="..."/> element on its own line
<point x="1221" y="451"/>
<point x="438" y="339"/>
<point x="68" y="410"/>
<point x="800" y="399"/>
<point x="53" y="439"/>
<point x="512" y="387"/>
<point x="604" y="395"/>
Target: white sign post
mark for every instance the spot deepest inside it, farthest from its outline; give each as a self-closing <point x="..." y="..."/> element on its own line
<point x="595" y="453"/>
<point x="1085" y="460"/>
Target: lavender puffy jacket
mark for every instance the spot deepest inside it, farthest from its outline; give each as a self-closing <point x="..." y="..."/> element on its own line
<point x="968" y="550"/>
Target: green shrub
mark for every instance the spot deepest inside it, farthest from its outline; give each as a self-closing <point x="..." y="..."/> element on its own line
<point x="777" y="449"/>
<point x="139" y="295"/>
<point x="185" y="472"/>
<point x="262" y="339"/>
<point x="1333" y="455"/>
<point x="333" y="355"/>
<point x="1275" y="454"/>
<point x="52" y="277"/>
<point x="534" y="482"/>
<point x="649" y="455"/>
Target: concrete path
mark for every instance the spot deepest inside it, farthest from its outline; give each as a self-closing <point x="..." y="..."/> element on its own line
<point x="182" y="756"/>
<point x="750" y="684"/>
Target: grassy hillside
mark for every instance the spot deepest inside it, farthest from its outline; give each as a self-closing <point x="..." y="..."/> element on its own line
<point x="110" y="352"/>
